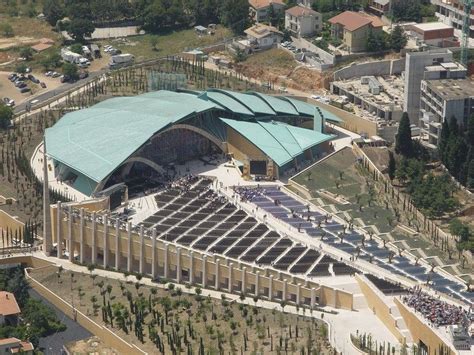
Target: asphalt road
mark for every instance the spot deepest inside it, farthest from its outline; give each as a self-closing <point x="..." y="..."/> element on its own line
<point x="58" y="91"/>
<point x="53" y="344"/>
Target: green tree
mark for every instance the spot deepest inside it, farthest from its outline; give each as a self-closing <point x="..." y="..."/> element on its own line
<point x="443" y="140"/>
<point x="76" y="48"/>
<point x="470" y="131"/>
<point x="392" y="165"/>
<point x="71" y="70"/>
<point x="403" y="140"/>
<point x="53" y="11"/>
<point x="154" y="42"/>
<point x="26" y="52"/>
<point x="6" y="29"/>
<point x="398" y="39"/>
<point x="235" y="14"/>
<point x="79" y="28"/>
<point x="6" y="115"/>
<point x="470" y="175"/>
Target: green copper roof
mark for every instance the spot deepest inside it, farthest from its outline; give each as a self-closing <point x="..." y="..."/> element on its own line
<point x="253" y="103"/>
<point x="95" y="141"/>
<point x="281" y="142"/>
<point x="280" y="106"/>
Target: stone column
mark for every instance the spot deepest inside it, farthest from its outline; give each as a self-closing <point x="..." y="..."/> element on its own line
<point x="270" y="288"/>
<point x="178" y="264"/>
<point x="217" y="272"/>
<point x="105" y="220"/>
<point x="244" y="280"/>
<point x="94" y="241"/>
<point x="153" y="254"/>
<point x="81" y="236"/>
<point x="298" y="294"/>
<point x="257" y="283"/>
<point x="142" y="249"/>
<point x="285" y="283"/>
<point x="117" y="244"/>
<point x="191" y="267"/>
<point x="313" y="297"/>
<point x="230" y="267"/>
<point x="165" y="265"/>
<point x="47" y="236"/>
<point x="129" y="251"/>
<point x="204" y="271"/>
<point x="59" y="238"/>
<point x="69" y="234"/>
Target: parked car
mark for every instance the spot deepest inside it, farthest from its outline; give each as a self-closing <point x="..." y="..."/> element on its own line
<point x="12" y="75"/>
<point x="33" y="78"/>
<point x="25" y="89"/>
<point x="48" y="73"/>
<point x="43" y="85"/>
<point x="21" y="85"/>
<point x="83" y="75"/>
<point x="55" y="74"/>
<point x="9" y="102"/>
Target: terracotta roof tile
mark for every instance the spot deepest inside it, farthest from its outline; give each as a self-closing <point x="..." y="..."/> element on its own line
<point x="8" y="305"/>
<point x="353" y="20"/>
<point x="259" y="4"/>
<point x="299" y="11"/>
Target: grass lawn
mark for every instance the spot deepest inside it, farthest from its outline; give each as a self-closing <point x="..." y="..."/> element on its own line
<point x="30" y="27"/>
<point x="168" y="44"/>
<point x="185" y="318"/>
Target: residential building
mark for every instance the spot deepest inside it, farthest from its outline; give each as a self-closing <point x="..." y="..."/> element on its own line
<point x="302" y="21"/>
<point x="259" y="37"/>
<point x="428" y="65"/>
<point x="9" y="309"/>
<point x="15" y="346"/>
<point x="380" y="7"/>
<point x="260" y="9"/>
<point x="353" y="29"/>
<point x="441" y="100"/>
<point x="435" y="34"/>
<point x="451" y="12"/>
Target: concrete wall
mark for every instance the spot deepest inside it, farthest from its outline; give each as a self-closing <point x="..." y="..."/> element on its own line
<point x="384" y="67"/>
<point x="421" y="331"/>
<point x="379" y="306"/>
<point x="350" y="122"/>
<point x="10" y="222"/>
<point x="326" y="57"/>
<point x="109" y="338"/>
<point x="117" y="248"/>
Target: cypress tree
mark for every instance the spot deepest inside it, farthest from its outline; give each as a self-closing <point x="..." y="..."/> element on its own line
<point x="470" y="175"/>
<point x="403" y="141"/>
<point x="443" y="140"/>
<point x="392" y="166"/>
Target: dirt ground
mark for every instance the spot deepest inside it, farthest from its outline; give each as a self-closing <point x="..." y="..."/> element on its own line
<point x="91" y="345"/>
<point x="172" y="314"/>
<point x="7" y="89"/>
<point x="278" y="66"/>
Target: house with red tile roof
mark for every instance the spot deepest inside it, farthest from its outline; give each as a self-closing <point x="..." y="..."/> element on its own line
<point x="15" y="346"/>
<point x="353" y="29"/>
<point x="9" y="309"/>
<point x="303" y="21"/>
<point x="260" y="9"/>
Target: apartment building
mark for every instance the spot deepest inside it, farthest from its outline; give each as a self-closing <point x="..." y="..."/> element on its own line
<point x="302" y="21"/>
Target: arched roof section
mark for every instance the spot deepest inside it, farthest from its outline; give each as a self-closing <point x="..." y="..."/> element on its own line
<point x="277" y="104"/>
<point x="252" y="102"/>
<point x="226" y="101"/>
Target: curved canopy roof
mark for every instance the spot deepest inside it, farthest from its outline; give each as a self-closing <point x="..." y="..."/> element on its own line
<point x="280" y="141"/>
<point x="97" y="140"/>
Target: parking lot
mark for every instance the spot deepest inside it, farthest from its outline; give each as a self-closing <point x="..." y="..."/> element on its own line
<point x="8" y="89"/>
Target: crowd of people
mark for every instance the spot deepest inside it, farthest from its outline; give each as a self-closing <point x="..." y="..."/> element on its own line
<point x="438" y="312"/>
<point x="247" y="194"/>
<point x="184" y="183"/>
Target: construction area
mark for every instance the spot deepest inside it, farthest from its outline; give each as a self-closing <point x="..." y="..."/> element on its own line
<point x="376" y="98"/>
